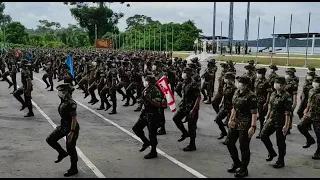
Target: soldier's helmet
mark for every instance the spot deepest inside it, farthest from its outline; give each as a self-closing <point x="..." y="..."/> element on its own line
<point x="280" y="80"/>
<point x="251" y="62"/>
<point x="243" y="79"/>
<point x="274" y="67"/>
<point x="290" y="71"/>
<point x="312" y="69"/>
<point x="66" y="87"/>
<point x="249" y="67"/>
<point x="261" y="70"/>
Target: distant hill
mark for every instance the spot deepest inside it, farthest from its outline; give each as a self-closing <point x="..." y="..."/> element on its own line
<point x="267" y="42"/>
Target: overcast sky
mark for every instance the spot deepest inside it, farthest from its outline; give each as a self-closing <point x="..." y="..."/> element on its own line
<point x="29" y="13"/>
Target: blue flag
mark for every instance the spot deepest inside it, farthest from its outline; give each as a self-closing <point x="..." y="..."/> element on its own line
<point x="70" y="65"/>
<point x="29" y="57"/>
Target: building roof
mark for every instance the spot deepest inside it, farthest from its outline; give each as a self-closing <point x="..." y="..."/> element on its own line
<point x="296" y="35"/>
<point x="210" y="37"/>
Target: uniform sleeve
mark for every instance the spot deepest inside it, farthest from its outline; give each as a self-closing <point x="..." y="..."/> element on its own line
<point x="288" y="104"/>
<point x="73" y="109"/>
<point x="253" y="104"/>
<point x="295" y="89"/>
<point x="310" y="95"/>
<point x="196" y="89"/>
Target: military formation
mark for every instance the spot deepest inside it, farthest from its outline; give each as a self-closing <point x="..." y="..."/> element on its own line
<point x="239" y="101"/>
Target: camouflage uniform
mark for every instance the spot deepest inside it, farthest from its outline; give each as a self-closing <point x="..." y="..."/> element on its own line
<point x="150" y="117"/>
<point x="209" y="79"/>
<point x="262" y="91"/>
<point x="244" y="104"/>
<point x="280" y="106"/>
<point x="305" y="92"/>
<point x="26" y="89"/>
<point x="228" y="92"/>
<point x="312" y="117"/>
<point x="251" y="75"/>
<point x="218" y="97"/>
<point x="190" y="95"/>
<point x="292" y="89"/>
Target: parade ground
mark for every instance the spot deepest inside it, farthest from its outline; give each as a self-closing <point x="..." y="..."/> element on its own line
<point x="108" y="148"/>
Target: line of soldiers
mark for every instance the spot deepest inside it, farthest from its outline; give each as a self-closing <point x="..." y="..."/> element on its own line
<point x="242" y="100"/>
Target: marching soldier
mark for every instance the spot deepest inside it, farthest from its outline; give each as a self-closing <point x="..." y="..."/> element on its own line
<point x="277" y="120"/>
<point x="48" y="74"/>
<point x="218" y="97"/>
<point x="26" y="88"/>
<point x="272" y="75"/>
<point x="251" y="75"/>
<point x="242" y="126"/>
<point x="150" y="116"/>
<point x="188" y="109"/>
<point x="209" y="79"/>
<point x="292" y="89"/>
<point x="69" y="127"/>
<point x="263" y="91"/>
<point x="305" y="92"/>
<point x="228" y="92"/>
<point x="312" y="116"/>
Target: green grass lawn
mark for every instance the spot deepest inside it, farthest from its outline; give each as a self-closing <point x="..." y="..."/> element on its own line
<point x="285" y="55"/>
<point x="278" y="61"/>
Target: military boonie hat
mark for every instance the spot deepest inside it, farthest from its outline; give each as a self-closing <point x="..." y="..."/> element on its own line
<point x="261" y="70"/>
<point x="280" y="80"/>
<point x="243" y="79"/>
<point x="274" y="67"/>
<point x="316" y="79"/>
<point x="65" y="87"/>
<point x="251" y="62"/>
<point x="291" y="69"/>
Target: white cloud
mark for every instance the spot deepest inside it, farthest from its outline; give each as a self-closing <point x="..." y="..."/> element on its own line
<point x="29" y="13"/>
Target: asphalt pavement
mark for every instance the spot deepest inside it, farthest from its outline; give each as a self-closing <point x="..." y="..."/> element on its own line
<point x="108" y="148"/>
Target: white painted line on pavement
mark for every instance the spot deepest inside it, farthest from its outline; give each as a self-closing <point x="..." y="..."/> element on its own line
<point x="172" y="159"/>
<point x="95" y="170"/>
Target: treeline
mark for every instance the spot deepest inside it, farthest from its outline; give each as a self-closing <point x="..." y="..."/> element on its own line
<point x="100" y="21"/>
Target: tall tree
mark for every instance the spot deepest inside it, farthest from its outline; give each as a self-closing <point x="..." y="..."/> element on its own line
<point x="3" y="17"/>
<point x="89" y="17"/>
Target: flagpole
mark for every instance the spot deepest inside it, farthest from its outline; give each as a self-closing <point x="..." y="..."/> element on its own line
<point x="305" y="62"/>
<point x="258" y="40"/>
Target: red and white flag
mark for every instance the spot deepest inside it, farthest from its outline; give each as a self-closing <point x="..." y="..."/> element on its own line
<point x="166" y="91"/>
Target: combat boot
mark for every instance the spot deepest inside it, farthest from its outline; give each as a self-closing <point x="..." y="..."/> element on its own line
<point x="151" y="155"/>
<point x="310" y="142"/>
<point x="30" y="114"/>
<point x="191" y="146"/>
<point x="72" y="171"/>
<point x="279" y="164"/>
<point x="236" y="164"/>
<point x="162" y="131"/>
<point x="61" y="156"/>
<point x="114" y="108"/>
<point x="243" y="172"/>
<point x="138" y="109"/>
<point x="316" y="155"/>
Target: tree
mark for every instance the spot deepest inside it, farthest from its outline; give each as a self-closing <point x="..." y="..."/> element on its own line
<point x="138" y="21"/>
<point x="102" y="17"/>
<point x="16" y="33"/>
<point x="3" y="17"/>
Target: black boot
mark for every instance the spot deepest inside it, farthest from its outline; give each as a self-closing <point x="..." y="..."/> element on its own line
<point x="191" y="146"/>
<point x="61" y="156"/>
<point x="138" y="109"/>
<point x="151" y="155"/>
<point x="162" y="131"/>
<point x="316" y="155"/>
<point x="183" y="137"/>
<point x="114" y="108"/>
<point x="243" y="172"/>
<point x="279" y="164"/>
<point x="30" y="114"/>
<point x="310" y="142"/>
<point x="236" y="164"/>
<point x="271" y="156"/>
<point x="72" y="171"/>
<point x="222" y="135"/>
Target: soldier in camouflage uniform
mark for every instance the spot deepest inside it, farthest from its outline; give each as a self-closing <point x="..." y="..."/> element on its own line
<point x="188" y="109"/>
<point x="171" y="71"/>
<point x="263" y="91"/>
<point x="218" y="97"/>
<point x="112" y="81"/>
<point x="209" y="77"/>
<point x="312" y="116"/>
<point x="242" y="125"/>
<point x="224" y="112"/>
<point x="106" y="88"/>
<point x="277" y="120"/>
<point x="26" y="88"/>
<point x="305" y="92"/>
<point x="251" y="75"/>
<point x="48" y="75"/>
<point x="96" y="79"/>
<point x="150" y="116"/>
<point x="292" y="89"/>
<point x="272" y="75"/>
<point x="13" y="75"/>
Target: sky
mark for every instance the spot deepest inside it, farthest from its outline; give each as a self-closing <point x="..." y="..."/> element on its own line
<point x="29" y="14"/>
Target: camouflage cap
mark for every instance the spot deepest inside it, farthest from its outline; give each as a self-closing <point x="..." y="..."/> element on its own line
<point x="274" y="67"/>
<point x="261" y="70"/>
<point x="312" y="69"/>
<point x="150" y="78"/>
<point x="280" y="80"/>
<point x="248" y="67"/>
<point x="65" y="87"/>
<point x="223" y="64"/>
<point x="251" y="62"/>
<point x="290" y="71"/>
<point x="243" y="79"/>
<point x="311" y="73"/>
<point x="316" y="79"/>
<point x="229" y="75"/>
<point x="187" y="70"/>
